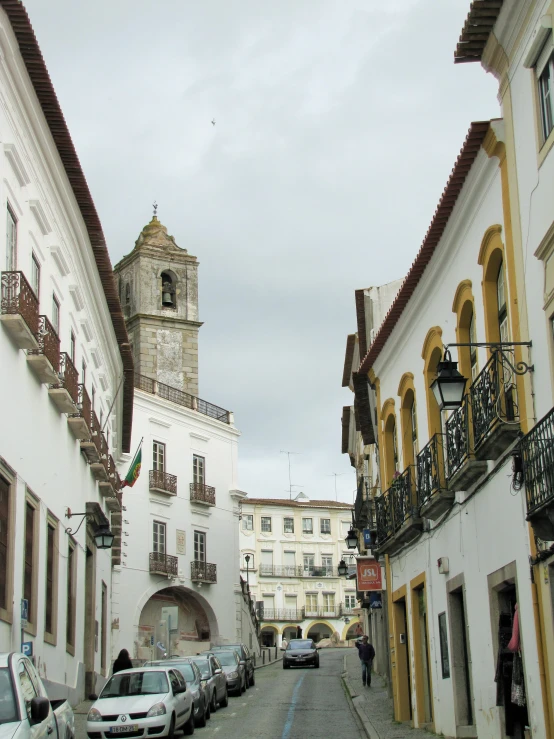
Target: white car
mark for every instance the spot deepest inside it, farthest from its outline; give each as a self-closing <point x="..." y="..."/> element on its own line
<point x="145" y="701"/>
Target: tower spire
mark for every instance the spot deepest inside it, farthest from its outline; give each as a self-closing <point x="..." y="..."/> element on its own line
<point x="155" y="206"/>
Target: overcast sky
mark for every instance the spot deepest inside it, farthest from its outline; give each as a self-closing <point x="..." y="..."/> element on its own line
<point x="337" y="125"/>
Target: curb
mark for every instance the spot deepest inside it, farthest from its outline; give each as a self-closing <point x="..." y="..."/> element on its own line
<point x="267" y="664"/>
<point x="357" y="702"/>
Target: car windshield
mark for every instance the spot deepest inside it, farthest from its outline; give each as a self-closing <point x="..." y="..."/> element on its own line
<point x="227" y="658"/>
<point x="301" y="644"/>
<point x="8" y="710"/>
<point x="204" y="667"/>
<point x="185" y="668"/>
<point x="135" y="683"/>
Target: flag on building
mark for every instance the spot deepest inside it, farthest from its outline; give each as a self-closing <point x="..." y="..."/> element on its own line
<point x="134" y="470"/>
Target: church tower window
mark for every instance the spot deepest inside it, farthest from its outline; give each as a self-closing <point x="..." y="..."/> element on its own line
<point x="168" y="291"/>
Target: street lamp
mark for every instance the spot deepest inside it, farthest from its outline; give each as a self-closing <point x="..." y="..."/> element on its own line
<point x="449" y="385"/>
<point x="342" y="569"/>
<point x="103" y="537"/>
<point x="351" y="539"/>
<point x="247" y="560"/>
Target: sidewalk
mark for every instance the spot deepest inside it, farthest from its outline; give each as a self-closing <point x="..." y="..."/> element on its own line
<point x="373" y="705"/>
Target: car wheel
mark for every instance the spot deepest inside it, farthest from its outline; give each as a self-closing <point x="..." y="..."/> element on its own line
<point x="208" y="710"/>
<point x="252" y="679"/>
<point x="188" y="728"/>
<point x="171" y="732"/>
<point x="243" y="687"/>
<point x="213" y="705"/>
<point x="285" y="665"/>
<point x="201" y="721"/>
<point x="225" y="702"/>
<point x="317" y="663"/>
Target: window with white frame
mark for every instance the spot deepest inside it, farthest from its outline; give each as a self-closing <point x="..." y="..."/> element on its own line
<point x="11" y="241"/>
<point x="247" y="522"/>
<point x="349" y="601"/>
<point x="545" y="79"/>
<point x="328" y="602"/>
<point x="288" y="525"/>
<point x="325" y="525"/>
<point x="158" y="537"/>
<point x="198" y="469"/>
<point x="199" y="546"/>
<point x="266" y="524"/>
<point x="308" y="564"/>
<point x="307" y="526"/>
<point x="158" y="456"/>
<point x="35" y="275"/>
<point x="311" y="602"/>
<point x="327" y="564"/>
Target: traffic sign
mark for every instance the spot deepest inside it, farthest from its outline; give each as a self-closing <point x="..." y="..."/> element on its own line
<point x="24" y="612"/>
<point x="27" y="648"/>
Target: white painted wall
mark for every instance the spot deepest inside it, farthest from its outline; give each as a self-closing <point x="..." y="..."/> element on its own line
<point x="35" y="440"/>
<point x="185" y="433"/>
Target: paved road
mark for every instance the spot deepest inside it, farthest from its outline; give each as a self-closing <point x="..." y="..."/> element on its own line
<point x="300" y="703"/>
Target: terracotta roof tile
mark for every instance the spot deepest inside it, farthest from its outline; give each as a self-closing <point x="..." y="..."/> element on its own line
<point x="348" y="357"/>
<point x="477" y="29"/>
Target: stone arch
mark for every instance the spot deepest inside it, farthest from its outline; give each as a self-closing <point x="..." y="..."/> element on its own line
<point x="464" y="308"/>
<point x="168" y="288"/>
<point x="491" y="258"/>
<point x="270" y="629"/>
<point x="347" y="627"/>
<point x="408" y="417"/>
<point x="322" y="623"/>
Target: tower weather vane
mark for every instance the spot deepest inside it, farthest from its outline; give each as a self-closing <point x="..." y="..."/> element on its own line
<point x="155" y="206"/>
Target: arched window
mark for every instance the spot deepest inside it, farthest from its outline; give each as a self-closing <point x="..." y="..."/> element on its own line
<point x="501" y="301"/>
<point x="466" y="332"/>
<point x="432" y="355"/>
<point x="391" y="458"/>
<point x="127" y="294"/>
<point x="168" y="290"/>
<point x="474" y="366"/>
<point x="408" y="419"/>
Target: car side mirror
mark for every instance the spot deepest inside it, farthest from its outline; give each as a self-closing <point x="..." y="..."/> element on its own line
<point x="93" y="697"/>
<point x="317" y="649"/>
<point x="242" y="662"/>
<point x="40" y="709"/>
<point x="179" y="689"/>
<point x="218" y="671"/>
<point x="283" y="649"/>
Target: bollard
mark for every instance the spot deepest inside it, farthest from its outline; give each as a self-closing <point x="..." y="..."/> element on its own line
<point x="275" y="652"/>
<point x="263" y="656"/>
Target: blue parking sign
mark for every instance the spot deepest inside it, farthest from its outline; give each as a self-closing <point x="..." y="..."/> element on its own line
<point x="367" y="538"/>
<point x="27" y="648"/>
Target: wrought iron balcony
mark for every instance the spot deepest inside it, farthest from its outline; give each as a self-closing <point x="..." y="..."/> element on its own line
<point x="200" y="493"/>
<point x="494" y="408"/>
<point x="433" y="498"/>
<point x="19" y="310"/>
<point x="282" y="614"/>
<point x="65" y="392"/>
<point x="100" y="467"/>
<point x="110" y="486"/>
<point x="45" y="359"/>
<point x="203" y="572"/>
<point x="321" y="571"/>
<point x="80" y="423"/>
<point x="537" y="450"/>
<point x="322" y="612"/>
<point x="462" y="469"/>
<point x="148" y="385"/>
<point x="163" y="564"/>
<point x="280" y="571"/>
<point x="163" y="482"/>
<point x="398" y="521"/>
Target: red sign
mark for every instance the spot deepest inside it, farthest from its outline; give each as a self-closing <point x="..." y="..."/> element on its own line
<point x="369" y="575"/>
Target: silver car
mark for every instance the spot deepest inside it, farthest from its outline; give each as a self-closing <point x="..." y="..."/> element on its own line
<point x="214" y="679"/>
<point x="193" y="679"/>
<point x="234" y="669"/>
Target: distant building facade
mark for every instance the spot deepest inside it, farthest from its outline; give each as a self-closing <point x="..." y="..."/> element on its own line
<point x="294" y="548"/>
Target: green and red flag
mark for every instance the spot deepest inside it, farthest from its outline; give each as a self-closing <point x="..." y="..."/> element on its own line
<point x="134" y="470"/>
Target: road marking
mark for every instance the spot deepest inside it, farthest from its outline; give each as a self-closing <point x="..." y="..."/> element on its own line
<point x="290" y="716"/>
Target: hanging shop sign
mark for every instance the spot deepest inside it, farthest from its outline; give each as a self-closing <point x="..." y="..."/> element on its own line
<point x="369" y="575"/>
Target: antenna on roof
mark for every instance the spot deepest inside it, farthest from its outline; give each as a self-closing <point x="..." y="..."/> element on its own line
<point x="335" y="475"/>
<point x="290" y="483"/>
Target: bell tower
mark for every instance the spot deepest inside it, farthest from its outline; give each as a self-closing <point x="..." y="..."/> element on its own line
<point x="158" y="290"/>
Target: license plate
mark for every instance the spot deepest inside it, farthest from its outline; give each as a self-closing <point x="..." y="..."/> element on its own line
<point x="124" y="729"/>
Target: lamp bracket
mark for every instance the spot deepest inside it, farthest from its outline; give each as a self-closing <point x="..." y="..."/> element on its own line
<point x="499" y="347"/>
<point x="69" y="514"/>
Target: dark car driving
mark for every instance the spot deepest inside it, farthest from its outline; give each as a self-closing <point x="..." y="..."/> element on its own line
<point x="246" y="656"/>
<point x="300" y="652"/>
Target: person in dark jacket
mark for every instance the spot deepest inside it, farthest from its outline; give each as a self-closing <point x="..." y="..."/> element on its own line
<point x="366" y="653"/>
<point x="123" y="662"/>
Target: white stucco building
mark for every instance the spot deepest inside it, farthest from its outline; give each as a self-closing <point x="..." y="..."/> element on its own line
<point x="178" y="588"/>
<point x="66" y="408"/>
<point x="294" y="548"/>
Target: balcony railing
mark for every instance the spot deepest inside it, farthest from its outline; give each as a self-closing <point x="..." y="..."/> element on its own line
<point x="457" y="438"/>
<point x="396" y="511"/>
<point x="322" y="612"/>
<point x="281" y="571"/>
<point x="65" y="392"/>
<point x="48" y="348"/>
<point x="537" y="449"/>
<point x="163" y="481"/>
<point x="282" y="614"/>
<point x="430" y="470"/>
<point x="402" y="498"/>
<point x="203" y="572"/>
<point x="148" y="385"/>
<point x="201" y="493"/>
<point x="493" y="399"/>
<point x="164" y="564"/>
<point x="19" y="309"/>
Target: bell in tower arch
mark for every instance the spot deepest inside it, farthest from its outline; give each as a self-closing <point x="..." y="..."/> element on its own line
<point x="168" y="291"/>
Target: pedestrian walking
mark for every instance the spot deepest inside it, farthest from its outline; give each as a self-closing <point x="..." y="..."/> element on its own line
<point x="123" y="662"/>
<point x="366" y="653"/>
<point x="298" y="632"/>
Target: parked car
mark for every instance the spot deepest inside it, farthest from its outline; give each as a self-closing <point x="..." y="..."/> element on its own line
<point x="193" y="679"/>
<point x="244" y="654"/>
<point x="24" y="706"/>
<point x="142" y="701"/>
<point x="234" y="669"/>
<point x="214" y="679"/>
<point x="300" y="652"/>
